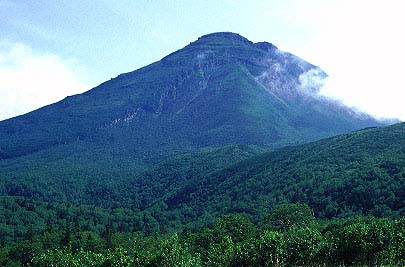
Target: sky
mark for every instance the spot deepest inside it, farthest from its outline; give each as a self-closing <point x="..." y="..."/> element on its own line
<point x="52" y="49"/>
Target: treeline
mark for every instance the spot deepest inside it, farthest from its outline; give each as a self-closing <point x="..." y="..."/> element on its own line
<point x="289" y="236"/>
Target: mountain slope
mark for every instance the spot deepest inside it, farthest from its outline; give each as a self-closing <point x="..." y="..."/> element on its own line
<point x="111" y="183"/>
<point x="219" y="90"/>
<point x="357" y="173"/>
<point x="229" y="89"/>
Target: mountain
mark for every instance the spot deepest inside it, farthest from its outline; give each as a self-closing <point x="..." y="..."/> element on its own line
<point x="359" y="173"/>
<point x="219" y="90"/>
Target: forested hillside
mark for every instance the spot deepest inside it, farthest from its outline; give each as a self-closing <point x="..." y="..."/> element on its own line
<point x="353" y="174"/>
<point x="108" y="183"/>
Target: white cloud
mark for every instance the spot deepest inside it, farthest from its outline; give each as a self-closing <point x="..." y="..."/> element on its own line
<point x="360" y="45"/>
<point x="312" y="81"/>
<point x="30" y="80"/>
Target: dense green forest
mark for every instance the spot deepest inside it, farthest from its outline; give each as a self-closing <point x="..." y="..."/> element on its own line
<point x="359" y="173"/>
<point x="187" y="211"/>
<point x="119" y="181"/>
<point x="289" y="235"/>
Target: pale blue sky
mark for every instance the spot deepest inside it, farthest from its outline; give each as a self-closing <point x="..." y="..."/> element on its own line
<point x="116" y="36"/>
<point x="50" y="49"/>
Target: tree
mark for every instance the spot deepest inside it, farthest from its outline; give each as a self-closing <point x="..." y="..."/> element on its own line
<point x="174" y="254"/>
<point x="286" y="216"/>
<point x="270" y="248"/>
<point x="302" y="246"/>
<point x="237" y="226"/>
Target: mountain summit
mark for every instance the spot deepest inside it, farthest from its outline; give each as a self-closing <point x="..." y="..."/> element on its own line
<point x="222" y="37"/>
<point x="219" y="90"/>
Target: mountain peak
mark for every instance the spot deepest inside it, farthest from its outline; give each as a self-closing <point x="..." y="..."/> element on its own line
<point x="222" y="38"/>
<point x="268" y="47"/>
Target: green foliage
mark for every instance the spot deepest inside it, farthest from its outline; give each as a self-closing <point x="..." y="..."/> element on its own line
<point x="286" y="216"/>
<point x="355" y="174"/>
<point x="271" y="248"/>
<point x="238" y="227"/>
<point x="174" y="254"/>
<point x="169" y="253"/>
<point x="221" y="254"/>
<point x="132" y="186"/>
<point x="62" y="258"/>
<point x="202" y="188"/>
<point x="232" y="241"/>
<point x="303" y="246"/>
